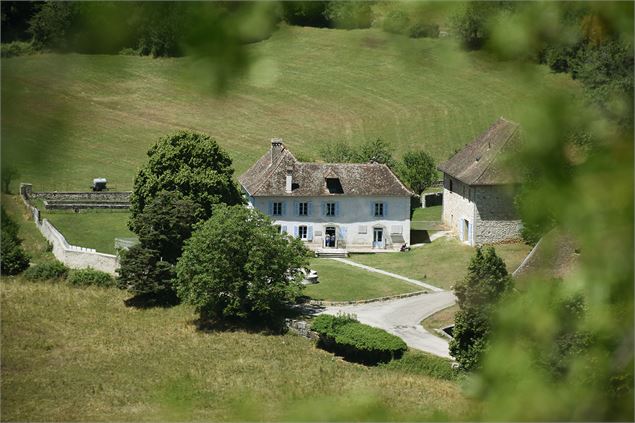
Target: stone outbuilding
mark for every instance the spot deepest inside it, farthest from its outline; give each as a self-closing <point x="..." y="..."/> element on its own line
<point x="479" y="188"/>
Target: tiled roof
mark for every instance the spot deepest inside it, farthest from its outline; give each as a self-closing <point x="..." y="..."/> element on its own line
<point x="267" y="177"/>
<point x="484" y="160"/>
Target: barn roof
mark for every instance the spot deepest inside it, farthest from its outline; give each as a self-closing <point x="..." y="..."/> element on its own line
<point x="484" y="160"/>
<point x="267" y="177"/>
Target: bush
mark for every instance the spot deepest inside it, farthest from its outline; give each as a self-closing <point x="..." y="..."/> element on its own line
<point x="143" y="272"/>
<point x="13" y="259"/>
<point x="88" y="277"/>
<point x="349" y="14"/>
<point x="420" y="30"/>
<point x="357" y="342"/>
<point x="46" y="271"/>
<point x="16" y="48"/>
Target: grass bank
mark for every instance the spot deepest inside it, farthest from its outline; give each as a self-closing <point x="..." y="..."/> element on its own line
<point x="442" y="263"/>
<point x="69" y="118"/>
<point x="73" y="354"/>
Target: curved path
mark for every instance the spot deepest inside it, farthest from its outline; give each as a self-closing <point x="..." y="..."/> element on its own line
<point x="402" y="317"/>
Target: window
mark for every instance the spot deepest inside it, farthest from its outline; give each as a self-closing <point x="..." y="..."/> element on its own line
<point x="302" y="232"/>
<point x="330" y="209"/>
<point x="379" y="209"/>
<point x="278" y="227"/>
<point x="303" y="209"/>
<point x="450" y="185"/>
<point x="277" y="209"/>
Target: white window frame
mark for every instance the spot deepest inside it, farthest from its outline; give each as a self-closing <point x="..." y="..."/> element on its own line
<point x="276" y="209"/>
<point x="303" y="209"/>
<point x="303" y="232"/>
<point x="379" y="209"/>
<point x="330" y="209"/>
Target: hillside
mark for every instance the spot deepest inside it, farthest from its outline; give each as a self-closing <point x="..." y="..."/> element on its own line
<point x="69" y="118"/>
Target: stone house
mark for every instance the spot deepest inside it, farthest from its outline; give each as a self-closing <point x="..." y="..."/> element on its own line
<point x="479" y="188"/>
<point x="330" y="206"/>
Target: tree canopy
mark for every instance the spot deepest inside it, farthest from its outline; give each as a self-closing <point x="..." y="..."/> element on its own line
<point x="238" y="266"/>
<point x="190" y="163"/>
<point x="486" y="282"/>
<point x="418" y="170"/>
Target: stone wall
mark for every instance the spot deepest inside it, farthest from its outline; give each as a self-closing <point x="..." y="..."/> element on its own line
<point x="489" y="210"/>
<point x="121" y="196"/>
<point x="71" y="255"/>
<point x="432" y="199"/>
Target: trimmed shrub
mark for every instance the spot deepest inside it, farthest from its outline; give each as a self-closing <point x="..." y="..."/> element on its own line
<point x="46" y="271"/>
<point x="396" y="22"/>
<point x="90" y="277"/>
<point x="356" y="341"/>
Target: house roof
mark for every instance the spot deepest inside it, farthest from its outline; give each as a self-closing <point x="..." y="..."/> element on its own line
<point x="267" y="177"/>
<point x="483" y="161"/>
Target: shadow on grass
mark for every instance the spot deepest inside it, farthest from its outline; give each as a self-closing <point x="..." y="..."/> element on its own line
<point x="145" y="301"/>
<point x="419" y="236"/>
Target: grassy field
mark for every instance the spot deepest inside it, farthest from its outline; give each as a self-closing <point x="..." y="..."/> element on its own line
<point x="341" y="282"/>
<point x="69" y="118"/>
<point x="91" y="229"/>
<point x="442" y="263"/>
<point x="73" y="354"/>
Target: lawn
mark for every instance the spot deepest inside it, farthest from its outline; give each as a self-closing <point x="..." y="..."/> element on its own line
<point x="428" y="219"/>
<point x="72" y="354"/>
<point x="69" y="118"/>
<point x="342" y="282"/>
<point x="440" y="319"/>
<point x="90" y="228"/>
<point x="442" y="263"/>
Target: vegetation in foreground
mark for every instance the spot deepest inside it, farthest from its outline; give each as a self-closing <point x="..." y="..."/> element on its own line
<point x="117" y="363"/>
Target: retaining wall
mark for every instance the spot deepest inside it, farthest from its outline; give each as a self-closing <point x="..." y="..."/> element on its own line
<point x="72" y="256"/>
<point x="122" y="196"/>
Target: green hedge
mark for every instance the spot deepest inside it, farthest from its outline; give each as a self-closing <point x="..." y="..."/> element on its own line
<point x="357" y="342"/>
<point x="416" y="362"/>
<point x="46" y="271"/>
<point x="88" y="277"/>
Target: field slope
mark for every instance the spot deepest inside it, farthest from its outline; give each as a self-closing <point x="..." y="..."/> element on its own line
<point x="69" y="118"/>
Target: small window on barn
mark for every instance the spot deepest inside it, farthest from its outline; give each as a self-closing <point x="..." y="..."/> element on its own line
<point x="334" y="186"/>
<point x="450" y="185"/>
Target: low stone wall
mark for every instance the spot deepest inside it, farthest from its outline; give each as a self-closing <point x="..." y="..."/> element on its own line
<point x="121" y="196"/>
<point x="302" y="328"/>
<point x="432" y="199"/>
<point x="71" y="255"/>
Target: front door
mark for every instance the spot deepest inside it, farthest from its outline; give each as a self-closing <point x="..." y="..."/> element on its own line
<point x="378" y="238"/>
<point x="329" y="237"/>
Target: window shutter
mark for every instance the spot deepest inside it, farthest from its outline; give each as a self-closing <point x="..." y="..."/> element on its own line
<point x="372" y="209"/>
<point x="337" y="208"/>
<point x="385" y="209"/>
<point x="270" y="208"/>
<point x="296" y="208"/>
<point x="295" y="231"/>
<point x="309" y="206"/>
<point x="283" y="229"/>
<point x="342" y="232"/>
<point x="284" y="208"/>
<point x="323" y="207"/>
<point x="310" y="233"/>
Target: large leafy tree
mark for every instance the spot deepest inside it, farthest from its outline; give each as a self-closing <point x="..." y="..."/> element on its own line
<point x="190" y="163"/>
<point x="142" y="272"/>
<point x="238" y="266"/>
<point x="418" y="170"/>
<point x="486" y="282"/>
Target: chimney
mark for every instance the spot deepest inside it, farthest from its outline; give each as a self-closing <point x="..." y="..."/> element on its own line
<point x="276" y="149"/>
<point x="289" y="187"/>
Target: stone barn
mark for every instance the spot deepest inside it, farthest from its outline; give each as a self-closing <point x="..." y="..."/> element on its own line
<point x="478" y="188"/>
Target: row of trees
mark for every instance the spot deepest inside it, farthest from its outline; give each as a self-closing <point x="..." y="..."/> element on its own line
<point x="199" y="244"/>
<point x="417" y="168"/>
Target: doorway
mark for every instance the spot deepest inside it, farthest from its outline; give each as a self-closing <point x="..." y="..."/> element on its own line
<point x="466" y="230"/>
<point x="378" y="238"/>
<point x="329" y="237"/>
